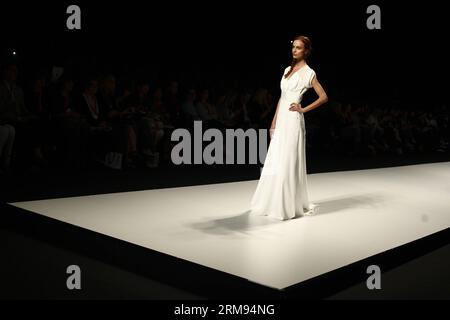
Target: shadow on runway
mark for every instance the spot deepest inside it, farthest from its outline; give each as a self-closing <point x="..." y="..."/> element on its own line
<point x="245" y="221"/>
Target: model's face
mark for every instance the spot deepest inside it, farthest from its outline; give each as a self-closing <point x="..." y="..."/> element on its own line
<point x="298" y="49"/>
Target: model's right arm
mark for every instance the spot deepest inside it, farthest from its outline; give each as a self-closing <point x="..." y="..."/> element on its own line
<point x="275" y="116"/>
<point x="274" y="120"/>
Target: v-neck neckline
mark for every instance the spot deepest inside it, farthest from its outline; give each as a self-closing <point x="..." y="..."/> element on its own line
<point x="296" y="71"/>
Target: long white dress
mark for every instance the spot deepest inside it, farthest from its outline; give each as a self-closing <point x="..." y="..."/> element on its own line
<point x="282" y="190"/>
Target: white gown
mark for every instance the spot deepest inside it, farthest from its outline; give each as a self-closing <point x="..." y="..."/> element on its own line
<point x="282" y="191"/>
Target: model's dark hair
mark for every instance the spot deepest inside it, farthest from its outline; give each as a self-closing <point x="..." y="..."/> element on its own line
<point x="308" y="49"/>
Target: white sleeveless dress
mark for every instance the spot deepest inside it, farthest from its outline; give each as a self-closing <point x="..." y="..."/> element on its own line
<point x="282" y="190"/>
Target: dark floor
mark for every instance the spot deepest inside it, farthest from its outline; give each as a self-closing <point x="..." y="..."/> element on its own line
<point x="33" y="269"/>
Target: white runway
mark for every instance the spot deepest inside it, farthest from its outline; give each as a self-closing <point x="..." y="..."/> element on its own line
<point x="362" y="213"/>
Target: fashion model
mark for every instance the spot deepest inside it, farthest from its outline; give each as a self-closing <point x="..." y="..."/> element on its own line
<point x="282" y="190"/>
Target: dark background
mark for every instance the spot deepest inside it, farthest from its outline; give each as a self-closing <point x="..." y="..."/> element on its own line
<point x="405" y="60"/>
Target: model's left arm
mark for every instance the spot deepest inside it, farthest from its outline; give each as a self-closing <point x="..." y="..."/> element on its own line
<point x="322" y="95"/>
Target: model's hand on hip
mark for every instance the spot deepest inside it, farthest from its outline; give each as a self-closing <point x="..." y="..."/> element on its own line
<point x="296" y="107"/>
